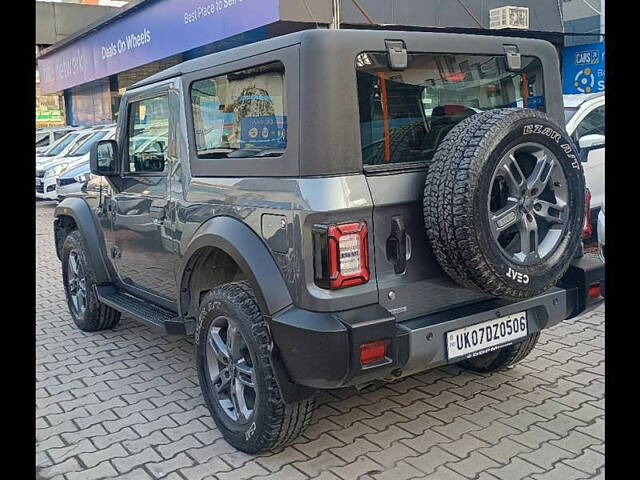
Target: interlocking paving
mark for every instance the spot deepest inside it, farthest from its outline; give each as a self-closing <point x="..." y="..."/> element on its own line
<point x="126" y="404"/>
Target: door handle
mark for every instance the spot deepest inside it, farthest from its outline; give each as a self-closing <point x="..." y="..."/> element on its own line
<point x="397" y="245"/>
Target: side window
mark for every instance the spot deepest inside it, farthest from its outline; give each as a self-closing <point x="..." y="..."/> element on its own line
<point x="60" y="134"/>
<point x="592" y="124"/>
<point x="241" y="114"/>
<point x="148" y="135"/>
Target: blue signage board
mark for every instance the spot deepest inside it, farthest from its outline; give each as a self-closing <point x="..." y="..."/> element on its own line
<point x="155" y="31"/>
<point x="583" y="68"/>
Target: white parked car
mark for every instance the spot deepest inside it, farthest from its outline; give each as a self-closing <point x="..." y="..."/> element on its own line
<point x="75" y="154"/>
<point x="60" y="147"/>
<point x="601" y="248"/>
<point x="45" y="137"/>
<point x="584" y="115"/>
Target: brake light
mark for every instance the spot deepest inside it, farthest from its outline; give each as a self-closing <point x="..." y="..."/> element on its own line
<point x="372" y="352"/>
<point x="594" y="291"/>
<point x="341" y="255"/>
<point x="587" y="229"/>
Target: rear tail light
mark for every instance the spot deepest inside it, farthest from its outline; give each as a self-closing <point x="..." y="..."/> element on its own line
<point x="587" y="229"/>
<point x="341" y="255"/>
<point x="372" y="352"/>
<point x="594" y="291"/>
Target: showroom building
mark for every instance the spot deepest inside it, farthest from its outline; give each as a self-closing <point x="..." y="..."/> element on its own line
<point x="94" y="66"/>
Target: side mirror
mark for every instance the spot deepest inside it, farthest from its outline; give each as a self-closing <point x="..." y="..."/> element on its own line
<point x="103" y="159"/>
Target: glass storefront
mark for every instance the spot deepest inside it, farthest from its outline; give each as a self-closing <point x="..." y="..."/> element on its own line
<point x="98" y="102"/>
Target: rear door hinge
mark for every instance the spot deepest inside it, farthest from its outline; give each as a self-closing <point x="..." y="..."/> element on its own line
<point x="396" y="54"/>
<point x="514" y="62"/>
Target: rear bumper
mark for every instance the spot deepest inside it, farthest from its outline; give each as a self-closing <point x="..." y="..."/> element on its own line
<point x="321" y="350"/>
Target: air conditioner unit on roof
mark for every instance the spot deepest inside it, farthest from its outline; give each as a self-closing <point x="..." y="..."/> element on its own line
<point x="509" y="17"/>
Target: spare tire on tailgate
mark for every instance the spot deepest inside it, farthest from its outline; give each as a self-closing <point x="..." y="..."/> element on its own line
<point x="504" y="202"/>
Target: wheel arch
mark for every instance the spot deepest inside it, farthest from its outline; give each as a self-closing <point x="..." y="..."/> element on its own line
<point x="235" y="242"/>
<point x="75" y="214"/>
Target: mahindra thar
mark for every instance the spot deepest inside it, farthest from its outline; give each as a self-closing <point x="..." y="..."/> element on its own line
<point x="335" y="208"/>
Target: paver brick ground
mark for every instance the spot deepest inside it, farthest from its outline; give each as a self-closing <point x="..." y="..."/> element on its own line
<point x="125" y="403"/>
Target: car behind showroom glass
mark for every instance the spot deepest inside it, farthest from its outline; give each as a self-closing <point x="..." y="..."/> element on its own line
<point x="241" y="114"/>
<point x="404" y="115"/>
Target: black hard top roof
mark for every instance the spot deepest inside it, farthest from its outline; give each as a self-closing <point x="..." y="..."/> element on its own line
<point x="344" y="35"/>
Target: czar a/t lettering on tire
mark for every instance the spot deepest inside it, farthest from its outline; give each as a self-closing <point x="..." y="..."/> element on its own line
<point x="504" y="202"/>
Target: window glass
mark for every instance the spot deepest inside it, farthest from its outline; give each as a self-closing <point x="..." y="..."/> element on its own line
<point x="42" y="140"/>
<point x="85" y="146"/>
<point x="60" y="134"/>
<point x="404" y="115"/>
<point x="241" y="114"/>
<point x="148" y="135"/>
<point x="592" y="124"/>
<point x="59" y="146"/>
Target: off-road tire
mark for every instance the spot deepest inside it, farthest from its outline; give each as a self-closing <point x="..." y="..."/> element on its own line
<point x="503" y="357"/>
<point x="274" y="423"/>
<point x="97" y="315"/>
<point x="457" y="187"/>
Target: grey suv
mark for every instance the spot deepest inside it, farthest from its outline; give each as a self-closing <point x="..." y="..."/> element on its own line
<point x="335" y="208"/>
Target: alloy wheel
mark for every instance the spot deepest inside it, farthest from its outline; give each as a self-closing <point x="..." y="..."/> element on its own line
<point x="230" y="370"/>
<point x="528" y="204"/>
<point x="77" y="283"/>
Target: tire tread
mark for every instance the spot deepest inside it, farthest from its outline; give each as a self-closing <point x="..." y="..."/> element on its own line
<point x="98" y="316"/>
<point x="450" y="222"/>
<point x="285" y="421"/>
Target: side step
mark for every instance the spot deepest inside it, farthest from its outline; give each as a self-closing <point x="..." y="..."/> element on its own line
<point x="143" y="311"/>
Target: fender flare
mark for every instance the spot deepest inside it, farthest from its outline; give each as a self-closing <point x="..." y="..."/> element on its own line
<point x="87" y="223"/>
<point x="250" y="253"/>
<point x="253" y="257"/>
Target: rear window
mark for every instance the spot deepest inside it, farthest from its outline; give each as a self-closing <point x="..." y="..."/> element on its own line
<point x="241" y="114"/>
<point x="404" y="115"/>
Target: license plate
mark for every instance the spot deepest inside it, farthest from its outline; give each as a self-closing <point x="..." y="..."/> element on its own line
<point x="486" y="336"/>
<point x="38" y="181"/>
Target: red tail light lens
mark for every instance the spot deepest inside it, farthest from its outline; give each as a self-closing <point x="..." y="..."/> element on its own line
<point x="587" y="229"/>
<point x="372" y="352"/>
<point x="341" y="255"/>
<point x="594" y="291"/>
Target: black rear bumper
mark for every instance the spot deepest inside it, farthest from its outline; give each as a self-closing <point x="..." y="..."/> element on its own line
<point x="583" y="273"/>
<point x="321" y="350"/>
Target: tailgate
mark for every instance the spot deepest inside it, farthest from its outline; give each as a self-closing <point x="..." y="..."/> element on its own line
<point x="422" y="287"/>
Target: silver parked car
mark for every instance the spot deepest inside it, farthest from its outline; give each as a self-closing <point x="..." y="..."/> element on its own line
<point x="78" y="154"/>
